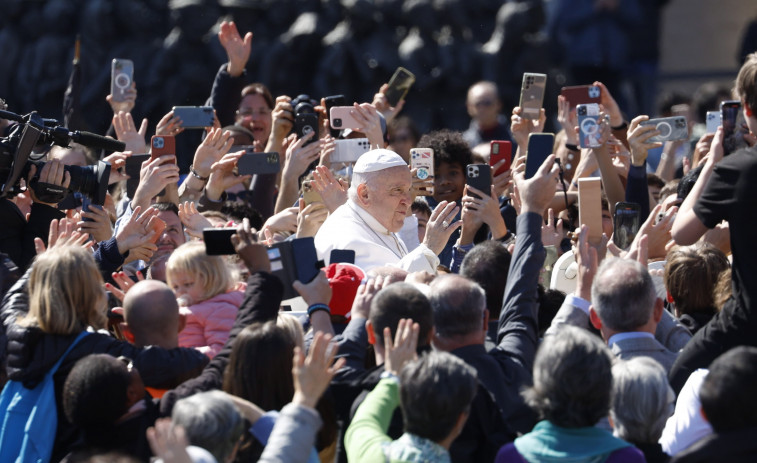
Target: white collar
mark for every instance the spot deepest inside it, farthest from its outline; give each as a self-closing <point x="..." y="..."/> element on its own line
<point x="629" y="335"/>
<point x="369" y="220"/>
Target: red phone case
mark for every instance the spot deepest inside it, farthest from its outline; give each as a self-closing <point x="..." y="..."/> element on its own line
<point x="162" y="144"/>
<point x="499" y="150"/>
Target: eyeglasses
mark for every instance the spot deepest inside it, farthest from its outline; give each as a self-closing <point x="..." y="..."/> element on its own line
<point x="249" y="112"/>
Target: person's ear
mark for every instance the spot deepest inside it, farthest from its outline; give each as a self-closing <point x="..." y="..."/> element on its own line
<point x="658" y="308"/>
<point x="594" y="318"/>
<point x="371" y="334"/>
<point x="363" y="194"/>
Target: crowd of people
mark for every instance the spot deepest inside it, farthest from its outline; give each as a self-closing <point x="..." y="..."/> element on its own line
<point x="440" y="328"/>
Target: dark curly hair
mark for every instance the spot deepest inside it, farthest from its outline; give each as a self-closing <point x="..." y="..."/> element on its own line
<point x="448" y="147"/>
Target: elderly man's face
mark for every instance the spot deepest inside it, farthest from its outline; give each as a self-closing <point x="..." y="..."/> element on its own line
<point x="173" y="235"/>
<point x="389" y="197"/>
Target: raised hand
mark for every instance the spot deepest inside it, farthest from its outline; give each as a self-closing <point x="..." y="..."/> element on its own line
<point x="211" y="150"/>
<point x="520" y="127"/>
<point x="283" y="118"/>
<point x="588" y="261"/>
<point x="551" y="233"/>
<point x="62" y="233"/>
<point x="222" y="176"/>
<point x="299" y="156"/>
<point x="333" y="191"/>
<point x="99" y="227"/>
<point x="310" y="218"/>
<point x="403" y="349"/>
<point x="370" y="123"/>
<point x="155" y="175"/>
<point x="440" y="226"/>
<point x="124" y="284"/>
<point x="170" y="124"/>
<point x="313" y="374"/>
<point x="537" y="192"/>
<point x="382" y="104"/>
<point x="610" y="105"/>
<point x="253" y="254"/>
<point x="193" y="221"/>
<point x="137" y="232"/>
<point x="126" y="131"/>
<point x="638" y="140"/>
<point x="117" y="161"/>
<point x="130" y="99"/>
<point x="237" y="49"/>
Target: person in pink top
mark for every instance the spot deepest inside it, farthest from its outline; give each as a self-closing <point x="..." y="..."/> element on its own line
<point x="210" y="297"/>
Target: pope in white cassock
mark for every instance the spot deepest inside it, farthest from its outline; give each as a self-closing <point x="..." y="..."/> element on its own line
<point x="378" y="201"/>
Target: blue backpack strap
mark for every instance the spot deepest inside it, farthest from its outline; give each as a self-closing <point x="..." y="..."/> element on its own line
<point x="55" y="367"/>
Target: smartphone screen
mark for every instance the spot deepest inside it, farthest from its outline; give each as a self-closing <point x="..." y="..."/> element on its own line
<point x="626" y="224"/>
<point x="499" y="150"/>
<point x="399" y="85"/>
<point x="218" y="241"/>
<point x="734" y="126"/>
<point x="539" y="148"/>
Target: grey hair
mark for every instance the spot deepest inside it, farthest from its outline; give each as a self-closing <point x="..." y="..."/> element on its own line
<point x="572" y="379"/>
<point x="211" y="421"/>
<point x="458" y="305"/>
<point x="642" y="400"/>
<point x="359" y="178"/>
<point x="434" y="391"/>
<point x="623" y="294"/>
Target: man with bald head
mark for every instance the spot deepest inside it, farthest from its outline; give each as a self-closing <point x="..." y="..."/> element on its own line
<point x="484" y="107"/>
<point x="378" y="200"/>
<point x="152" y="314"/>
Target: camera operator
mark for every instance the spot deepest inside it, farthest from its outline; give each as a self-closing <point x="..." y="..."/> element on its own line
<point x="18" y="232"/>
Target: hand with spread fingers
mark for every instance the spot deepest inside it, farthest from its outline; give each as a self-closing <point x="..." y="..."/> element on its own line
<point x="441" y="225"/>
<point x="313" y="374"/>
<point x="170" y="124"/>
<point x="404" y="347"/>
<point x="126" y="131"/>
<point x="253" y="254"/>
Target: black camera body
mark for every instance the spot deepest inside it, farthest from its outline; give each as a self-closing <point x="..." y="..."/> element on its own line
<point x="31" y="131"/>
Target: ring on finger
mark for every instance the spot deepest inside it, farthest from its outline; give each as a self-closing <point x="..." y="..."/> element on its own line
<point x="445" y="224"/>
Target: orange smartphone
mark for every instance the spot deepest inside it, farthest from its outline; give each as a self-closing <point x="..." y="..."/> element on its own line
<point x="499" y="150"/>
<point x="162" y="144"/>
<point x="158" y="226"/>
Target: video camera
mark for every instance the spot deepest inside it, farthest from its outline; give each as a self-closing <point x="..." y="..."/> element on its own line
<point x="31" y="131"/>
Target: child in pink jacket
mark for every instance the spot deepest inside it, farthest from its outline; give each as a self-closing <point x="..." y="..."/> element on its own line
<point x="204" y="285"/>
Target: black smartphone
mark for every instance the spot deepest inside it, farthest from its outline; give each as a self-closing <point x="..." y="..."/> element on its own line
<point x="540" y="146"/>
<point x="342" y="256"/>
<point x="71" y="201"/>
<point x="626" y="223"/>
<point x="734" y="126"/>
<point x="258" y="163"/>
<point x="479" y="176"/>
<point x="86" y="206"/>
<point x="218" y="241"/>
<point x="332" y="101"/>
<point x="294" y="260"/>
<point x="304" y="124"/>
<point x="195" y="117"/>
<point x="399" y="85"/>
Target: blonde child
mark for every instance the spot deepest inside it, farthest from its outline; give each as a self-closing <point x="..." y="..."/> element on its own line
<point x="205" y="286"/>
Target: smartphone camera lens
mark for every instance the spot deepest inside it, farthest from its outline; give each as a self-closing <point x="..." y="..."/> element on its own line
<point x="337" y="122"/>
<point x="158" y="143"/>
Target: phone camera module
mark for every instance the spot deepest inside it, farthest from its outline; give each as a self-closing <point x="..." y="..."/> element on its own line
<point x="337" y="122"/>
<point x="158" y="143"/>
<point x="472" y="171"/>
<point x="582" y="111"/>
<point x="594" y="91"/>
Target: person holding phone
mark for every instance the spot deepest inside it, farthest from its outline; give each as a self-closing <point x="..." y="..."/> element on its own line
<point x="725" y="190"/>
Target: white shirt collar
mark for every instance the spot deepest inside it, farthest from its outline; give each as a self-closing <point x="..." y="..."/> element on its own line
<point x="629" y="335"/>
<point x="368" y="218"/>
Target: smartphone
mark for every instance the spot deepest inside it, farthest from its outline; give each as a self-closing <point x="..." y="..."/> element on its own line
<point x="670" y="128"/>
<point x="309" y="194"/>
<point x="349" y="150"/>
<point x="588" y="125"/>
<point x="158" y="226"/>
<point x="195" y="117"/>
<point x="540" y="146"/>
<point x="294" y="260"/>
<point x="258" y="163"/>
<point x="121" y="77"/>
<point x="132" y="168"/>
<point x="734" y="126"/>
<point x="532" y="95"/>
<point x="399" y="85"/>
<point x="499" y="150"/>
<point x="626" y="223"/>
<point x="582" y="94"/>
<point x="423" y="160"/>
<point x="161" y="145"/>
<point x="86" y="206"/>
<point x="713" y="121"/>
<point x="479" y="176"/>
<point x="332" y="101"/>
<point x="218" y="241"/>
<point x="340" y="118"/>
<point x="342" y="256"/>
<point x="305" y="124"/>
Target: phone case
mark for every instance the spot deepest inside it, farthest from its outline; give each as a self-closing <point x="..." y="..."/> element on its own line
<point x="195" y="117"/>
<point x="532" y="94"/>
<point x="539" y="148"/>
<point x="734" y="126"/>
<point x="399" y="85"/>
<point x="590" y="207"/>
<point x="218" y="241"/>
<point x="588" y="125"/>
<point x="294" y="260"/>
<point x="121" y="76"/>
<point x="713" y="121"/>
<point x="304" y="124"/>
<point x="339" y="256"/>
<point x="158" y="226"/>
<point x="259" y="163"/>
<point x="670" y="128"/>
<point x="423" y="160"/>
<point x="332" y="101"/>
<point x="626" y="223"/>
<point x="582" y="94"/>
<point x="163" y="144"/>
<point x="309" y="194"/>
<point x="479" y="176"/>
<point x="340" y="118"/>
<point x="350" y="150"/>
<point x="499" y="150"/>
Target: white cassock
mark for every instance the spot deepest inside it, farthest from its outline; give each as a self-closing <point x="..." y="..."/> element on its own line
<point x="352" y="227"/>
